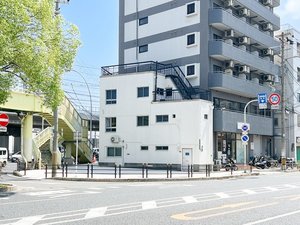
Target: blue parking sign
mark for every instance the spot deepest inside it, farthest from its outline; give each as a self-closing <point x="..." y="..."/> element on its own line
<point x="262" y="98"/>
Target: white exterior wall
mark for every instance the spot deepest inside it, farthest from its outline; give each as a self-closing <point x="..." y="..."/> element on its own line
<point x="130" y="5"/>
<point x="188" y="129"/>
<point x="161" y="22"/>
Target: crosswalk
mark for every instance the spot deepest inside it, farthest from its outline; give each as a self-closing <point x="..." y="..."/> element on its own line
<point x="104" y="211"/>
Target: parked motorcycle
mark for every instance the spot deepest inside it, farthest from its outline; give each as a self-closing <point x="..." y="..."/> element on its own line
<point x="260" y="162"/>
<point x="230" y="164"/>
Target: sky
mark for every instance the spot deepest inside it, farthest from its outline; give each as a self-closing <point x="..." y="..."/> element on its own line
<point x="97" y="21"/>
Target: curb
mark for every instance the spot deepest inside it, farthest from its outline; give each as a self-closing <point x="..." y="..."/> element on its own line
<point x="151" y="179"/>
<point x="7" y="188"/>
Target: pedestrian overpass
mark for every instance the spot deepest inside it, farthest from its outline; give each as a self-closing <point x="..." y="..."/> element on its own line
<point x="69" y="121"/>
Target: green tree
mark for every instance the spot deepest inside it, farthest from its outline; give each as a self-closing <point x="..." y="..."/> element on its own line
<point x="35" y="46"/>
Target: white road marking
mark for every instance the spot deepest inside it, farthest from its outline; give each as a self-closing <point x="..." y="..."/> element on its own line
<point x="222" y="195"/>
<point x="272" y="218"/>
<point x="291" y="186"/>
<point x="28" y="220"/>
<point x="189" y="199"/>
<point x="271" y="188"/>
<point x="250" y="192"/>
<point x="92" y="192"/>
<point x="149" y="205"/>
<point x="42" y="193"/>
<point x="96" y="212"/>
<point x="95" y="188"/>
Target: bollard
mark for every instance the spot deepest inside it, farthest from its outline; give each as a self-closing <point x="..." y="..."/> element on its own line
<point x="67" y="170"/>
<point x="188" y="171"/>
<point x="167" y="170"/>
<point x="146" y="170"/>
<point x="25" y="169"/>
<point x="46" y="171"/>
<point x="250" y="168"/>
<point x="92" y="171"/>
<point x="115" y="170"/>
<point x="63" y="170"/>
<point x="192" y="170"/>
<point x="88" y="170"/>
<point x="231" y="169"/>
<point x="120" y="171"/>
<point x="170" y="170"/>
<point x="206" y="171"/>
<point x="143" y="170"/>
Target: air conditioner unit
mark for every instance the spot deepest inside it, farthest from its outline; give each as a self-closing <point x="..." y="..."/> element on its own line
<point x="268" y="78"/>
<point x="267" y="2"/>
<point x="244" y="12"/>
<point x="244" y="69"/>
<point x="229" y="33"/>
<point x="267" y="26"/>
<point x="229" y="64"/>
<point x="228" y="3"/>
<point x="244" y="40"/>
<point x="115" y="139"/>
<point x="267" y="52"/>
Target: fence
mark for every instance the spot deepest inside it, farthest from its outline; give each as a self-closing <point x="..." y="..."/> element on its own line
<point x="146" y="171"/>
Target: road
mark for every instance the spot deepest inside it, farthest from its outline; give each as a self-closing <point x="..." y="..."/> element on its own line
<point x="266" y="199"/>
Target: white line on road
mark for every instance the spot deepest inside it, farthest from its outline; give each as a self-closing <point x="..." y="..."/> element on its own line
<point x="222" y="195"/>
<point x="291" y="186"/>
<point x="42" y="193"/>
<point x="272" y="218"/>
<point x="250" y="192"/>
<point x="149" y="205"/>
<point x="96" y="212"/>
<point x="28" y="220"/>
<point x="271" y="188"/>
<point x="189" y="199"/>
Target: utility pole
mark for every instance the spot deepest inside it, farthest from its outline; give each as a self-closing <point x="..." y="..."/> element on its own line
<point x="283" y="141"/>
<point x="55" y="113"/>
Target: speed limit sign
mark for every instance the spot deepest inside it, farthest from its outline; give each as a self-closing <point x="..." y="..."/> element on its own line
<point x="274" y="99"/>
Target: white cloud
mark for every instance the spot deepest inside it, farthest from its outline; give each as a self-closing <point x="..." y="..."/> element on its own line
<point x="290" y="9"/>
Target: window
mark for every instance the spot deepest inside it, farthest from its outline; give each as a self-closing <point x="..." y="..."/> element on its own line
<point x="144" y="148"/>
<point x="111" y="124"/>
<point x="298" y="74"/>
<point x="190" y="39"/>
<point x="190" y="8"/>
<point x="143" y="48"/>
<point x="160" y="91"/>
<point x="114" y="151"/>
<point x="190" y="70"/>
<point x="217" y="68"/>
<point x="169" y="92"/>
<point x="162" y="148"/>
<point x="298" y="97"/>
<point x="142" y="92"/>
<point x="205" y="116"/>
<point x="142" y="121"/>
<point x="143" y="21"/>
<point x="162" y="118"/>
<point x="111" y="96"/>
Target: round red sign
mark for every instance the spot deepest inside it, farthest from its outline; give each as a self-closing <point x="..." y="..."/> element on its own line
<point x="274" y="99"/>
<point x="4" y="120"/>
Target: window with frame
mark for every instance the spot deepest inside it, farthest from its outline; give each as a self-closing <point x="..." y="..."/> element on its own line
<point x="191" y="39"/>
<point x="169" y="92"/>
<point x="142" y="121"/>
<point x="190" y="8"/>
<point x="162" y="148"/>
<point x="114" y="151"/>
<point x="143" y="48"/>
<point x="162" y="118"/>
<point x="111" y="124"/>
<point x="144" y="148"/>
<point x="190" y="70"/>
<point x="143" y="21"/>
<point x="142" y="92"/>
<point x="111" y="96"/>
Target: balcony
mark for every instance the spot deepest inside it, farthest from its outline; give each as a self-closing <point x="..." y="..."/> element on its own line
<point x="224" y="20"/>
<point x="220" y="50"/>
<point x="226" y="121"/>
<point x="235" y="85"/>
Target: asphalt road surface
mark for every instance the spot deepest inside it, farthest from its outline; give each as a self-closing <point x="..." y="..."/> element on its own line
<point x="266" y="199"/>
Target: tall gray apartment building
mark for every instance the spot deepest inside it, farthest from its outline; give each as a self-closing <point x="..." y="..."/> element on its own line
<point x="225" y="49"/>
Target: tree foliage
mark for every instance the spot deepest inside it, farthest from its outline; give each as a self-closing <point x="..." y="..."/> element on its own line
<point x="36" y="46"/>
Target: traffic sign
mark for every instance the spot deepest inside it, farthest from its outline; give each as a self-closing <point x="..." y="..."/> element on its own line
<point x="3" y="129"/>
<point x="4" y="120"/>
<point x="245" y="138"/>
<point x="262" y="98"/>
<point x="274" y="99"/>
<point x="245" y="127"/>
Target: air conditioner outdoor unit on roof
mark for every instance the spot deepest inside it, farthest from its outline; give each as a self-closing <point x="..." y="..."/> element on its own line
<point x="229" y="64"/>
<point x="244" y="12"/>
<point x="268" y="78"/>
<point x="229" y="33"/>
<point x="244" y="40"/>
<point x="267" y="2"/>
<point x="228" y="3"/>
<point x="267" y="52"/>
<point x="244" y="69"/>
<point x="267" y="26"/>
